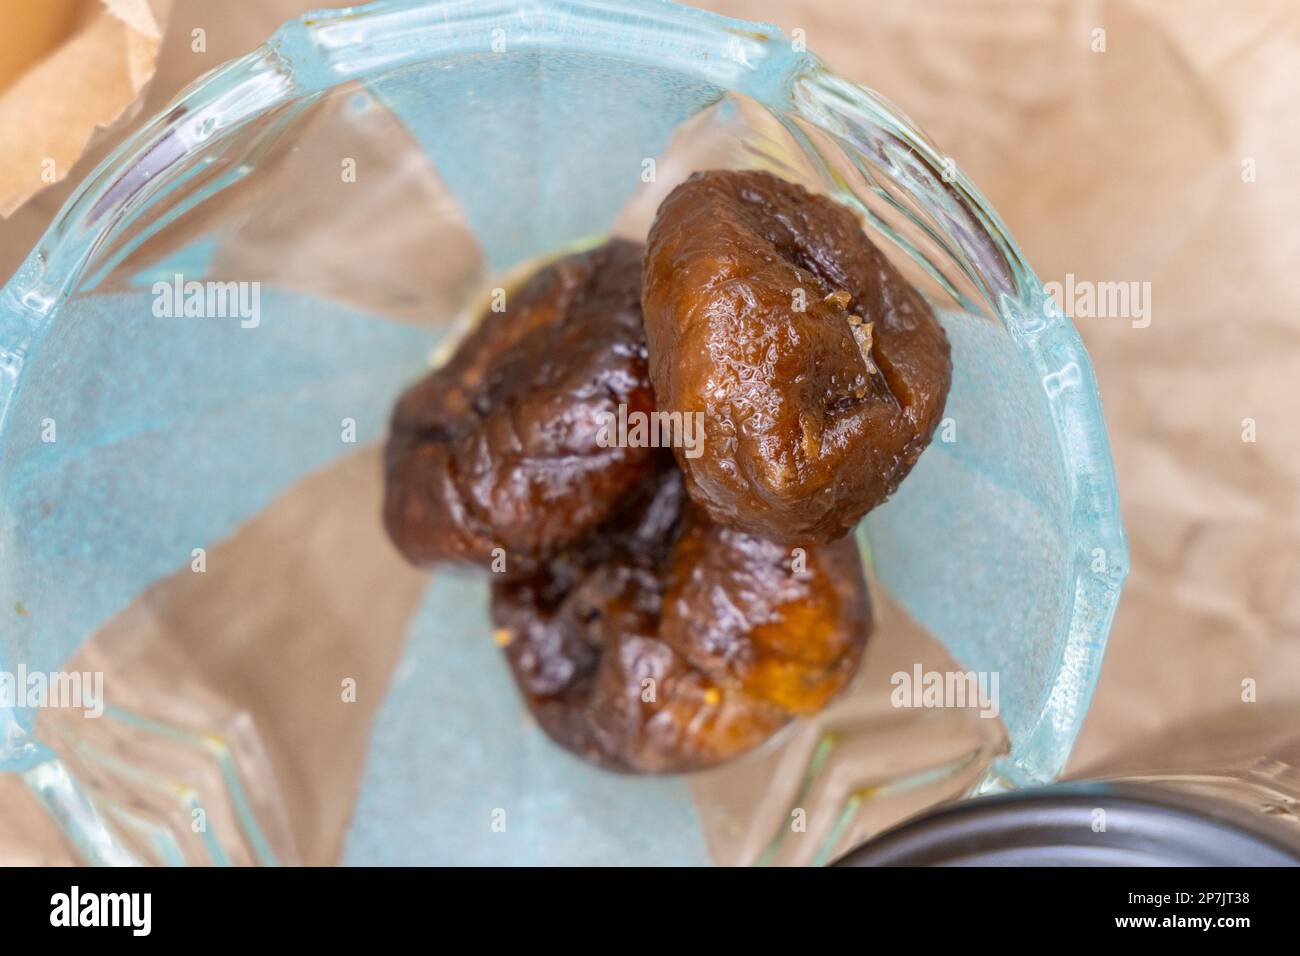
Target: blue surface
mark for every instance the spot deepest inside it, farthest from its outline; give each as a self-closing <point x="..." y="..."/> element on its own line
<point x="975" y="541"/>
<point x="540" y="150"/>
<point x="170" y="433"/>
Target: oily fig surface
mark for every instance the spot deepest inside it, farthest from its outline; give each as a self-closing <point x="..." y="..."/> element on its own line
<point x="666" y="644"/>
<point x="498" y="448"/>
<point x="821" y="373"/>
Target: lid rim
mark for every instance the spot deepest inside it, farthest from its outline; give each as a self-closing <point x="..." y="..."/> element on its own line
<point x="1146" y="822"/>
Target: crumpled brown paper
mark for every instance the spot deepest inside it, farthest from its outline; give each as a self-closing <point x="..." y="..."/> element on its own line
<point x="1165" y="157"/>
<point x="72" y="68"/>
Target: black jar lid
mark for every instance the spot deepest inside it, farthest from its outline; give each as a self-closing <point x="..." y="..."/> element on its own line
<point x="1143" y="825"/>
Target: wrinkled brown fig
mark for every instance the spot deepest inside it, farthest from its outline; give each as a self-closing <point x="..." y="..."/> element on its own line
<point x="786" y="628"/>
<point x="500" y="447"/>
<point x="665" y="644"/>
<point x="820" y="372"/>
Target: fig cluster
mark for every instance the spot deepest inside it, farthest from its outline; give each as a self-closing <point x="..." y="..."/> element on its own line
<point x="668" y="605"/>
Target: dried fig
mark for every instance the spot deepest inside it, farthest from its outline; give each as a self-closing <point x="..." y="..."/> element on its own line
<point x="498" y="447"/>
<point x="820" y="372"/>
<point x="665" y="644"/>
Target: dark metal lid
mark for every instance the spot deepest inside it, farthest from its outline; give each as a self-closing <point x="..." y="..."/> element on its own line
<point x="1085" y="824"/>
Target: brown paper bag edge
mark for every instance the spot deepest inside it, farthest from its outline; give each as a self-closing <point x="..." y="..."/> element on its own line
<point x="93" y="79"/>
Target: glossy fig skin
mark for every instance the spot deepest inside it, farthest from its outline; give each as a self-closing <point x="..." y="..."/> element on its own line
<point x="734" y="639"/>
<point x="803" y="434"/>
<point x="498" y="447"/>
<point x="583" y="665"/>
<point x="789" y="629"/>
